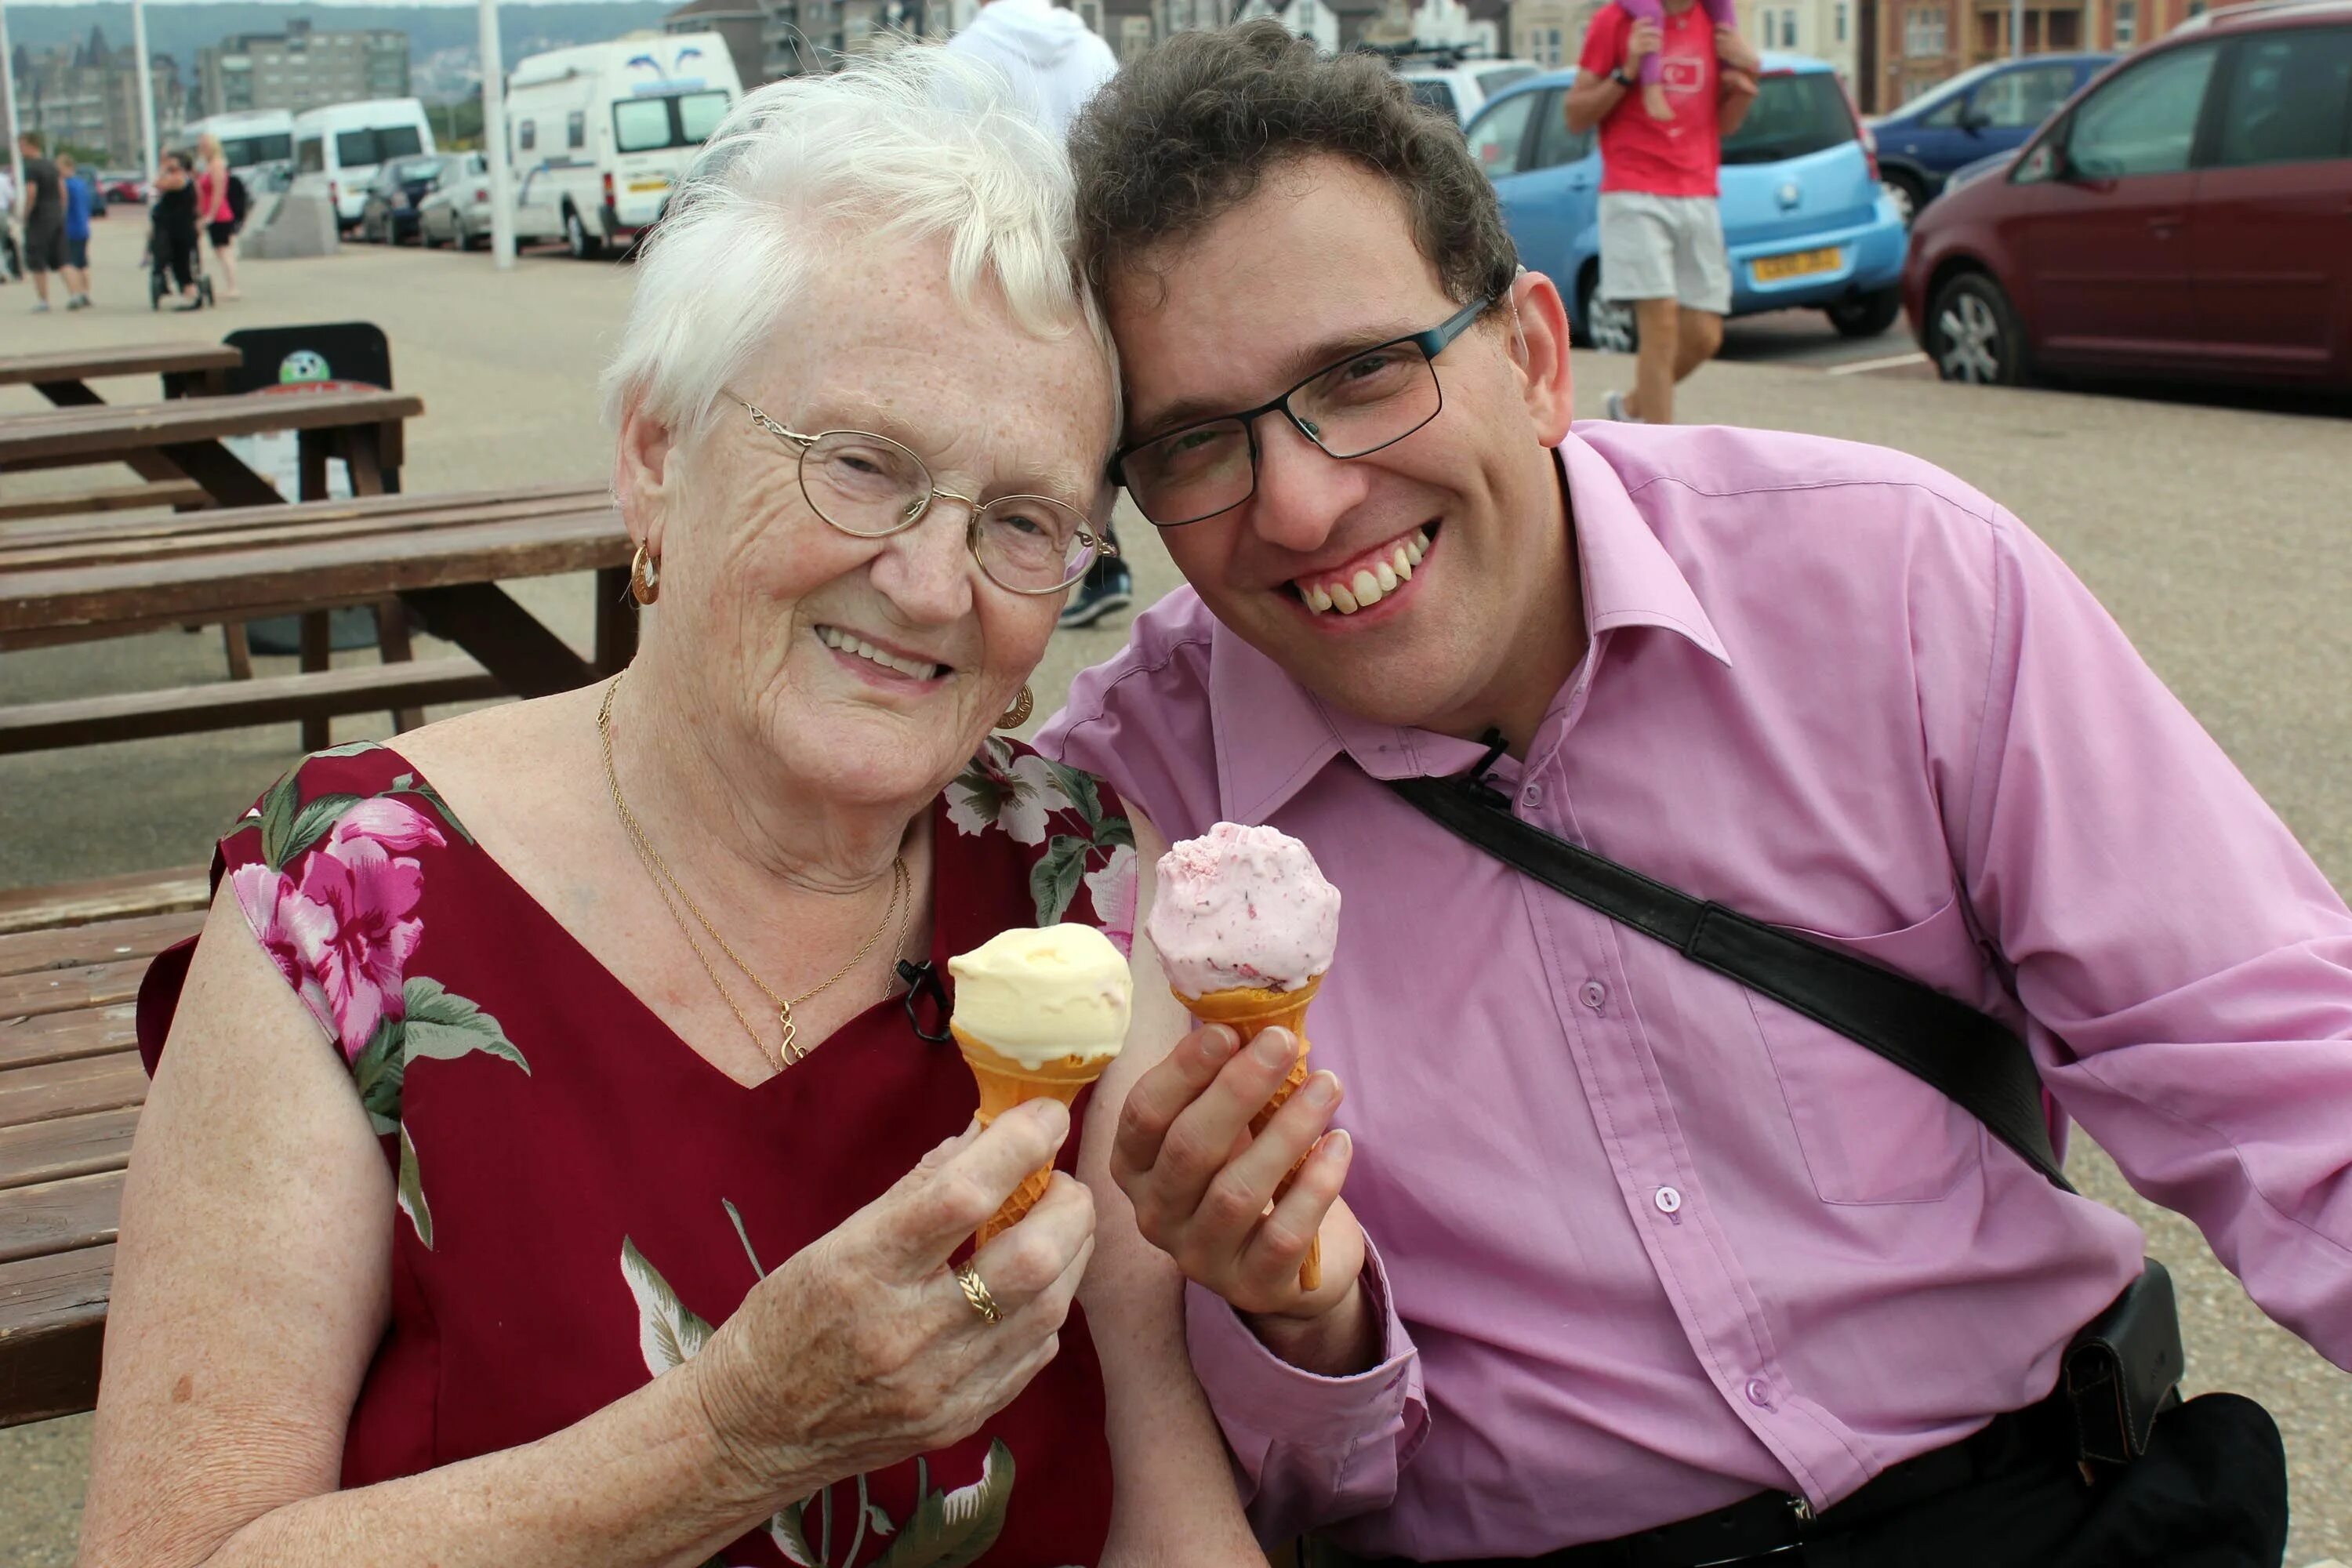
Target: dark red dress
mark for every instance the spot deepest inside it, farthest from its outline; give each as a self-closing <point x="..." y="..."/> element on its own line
<point x="582" y="1196"/>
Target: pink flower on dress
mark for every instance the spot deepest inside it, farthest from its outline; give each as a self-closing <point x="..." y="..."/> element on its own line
<point x="352" y="927"/>
<point x="270" y="904"/>
<point x="1113" y="890"/>
<point x="378" y="827"/>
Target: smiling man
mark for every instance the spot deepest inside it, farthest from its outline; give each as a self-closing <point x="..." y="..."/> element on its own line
<point x="1657" y="1270"/>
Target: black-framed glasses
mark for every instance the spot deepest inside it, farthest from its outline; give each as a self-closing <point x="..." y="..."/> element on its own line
<point x="1352" y="407"/>
<point x="872" y="487"/>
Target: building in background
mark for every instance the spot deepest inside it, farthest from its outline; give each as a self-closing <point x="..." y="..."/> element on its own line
<point x="1921" y="42"/>
<point x="1825" y="29"/>
<point x="301" y="69"/>
<point x="740" y="22"/>
<point x="87" y="96"/>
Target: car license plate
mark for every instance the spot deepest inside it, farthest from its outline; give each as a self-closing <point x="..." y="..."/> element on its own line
<point x="637" y="185"/>
<point x="1797" y="264"/>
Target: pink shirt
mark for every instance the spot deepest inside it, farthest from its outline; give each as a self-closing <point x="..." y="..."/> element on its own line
<point x="1650" y="1242"/>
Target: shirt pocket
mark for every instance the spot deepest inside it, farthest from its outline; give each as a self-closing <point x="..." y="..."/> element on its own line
<point x="1872" y="1133"/>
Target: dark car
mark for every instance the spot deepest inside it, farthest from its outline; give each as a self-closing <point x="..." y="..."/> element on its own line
<point x="389" y="214"/>
<point x="2188" y="217"/>
<point x="1987" y="110"/>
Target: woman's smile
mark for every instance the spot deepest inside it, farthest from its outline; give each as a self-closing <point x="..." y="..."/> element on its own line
<point x="884" y="664"/>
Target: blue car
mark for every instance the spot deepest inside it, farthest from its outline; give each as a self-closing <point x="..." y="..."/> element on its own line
<point x="1980" y="114"/>
<point x="1804" y="216"/>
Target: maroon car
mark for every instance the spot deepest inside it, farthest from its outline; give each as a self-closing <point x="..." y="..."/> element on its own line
<point x="2187" y="216"/>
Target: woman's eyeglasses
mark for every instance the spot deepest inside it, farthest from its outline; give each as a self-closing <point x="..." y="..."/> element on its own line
<point x="1352" y="407"/>
<point x="872" y="487"/>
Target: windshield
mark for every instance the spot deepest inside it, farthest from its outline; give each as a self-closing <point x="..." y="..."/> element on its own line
<point x="649" y="124"/>
<point x="416" y="169"/>
<point x="357" y="148"/>
<point x="1793" y="116"/>
<point x="245" y="151"/>
<point x="1431" y="93"/>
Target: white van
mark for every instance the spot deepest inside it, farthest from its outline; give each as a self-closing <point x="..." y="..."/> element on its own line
<point x="248" y="138"/>
<point x="338" y="148"/>
<point x="599" y="133"/>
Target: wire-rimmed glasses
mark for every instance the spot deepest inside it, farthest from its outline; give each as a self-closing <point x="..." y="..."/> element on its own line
<point x="1352" y="407"/>
<point x="872" y="487"/>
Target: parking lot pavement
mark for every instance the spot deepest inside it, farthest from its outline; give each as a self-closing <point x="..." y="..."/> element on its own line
<point x="2215" y="534"/>
<point x="1805" y="339"/>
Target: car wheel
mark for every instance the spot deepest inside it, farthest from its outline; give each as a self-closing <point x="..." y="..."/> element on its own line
<point x="1973" y="335"/>
<point x="464" y="238"/>
<point x="1866" y="315"/>
<point x="1907" y="194"/>
<point x="586" y="246"/>
<point x="1609" y="324"/>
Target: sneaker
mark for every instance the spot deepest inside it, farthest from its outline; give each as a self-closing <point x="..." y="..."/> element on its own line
<point x="1614" y="404"/>
<point x="78" y="302"/>
<point x="40" y="306"/>
<point x="1104" y="593"/>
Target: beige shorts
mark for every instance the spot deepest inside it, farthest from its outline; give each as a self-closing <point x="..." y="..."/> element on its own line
<point x="1663" y="248"/>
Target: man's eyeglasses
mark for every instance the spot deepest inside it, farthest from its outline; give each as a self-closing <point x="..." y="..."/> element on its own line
<point x="872" y="487"/>
<point x="1352" y="407"/>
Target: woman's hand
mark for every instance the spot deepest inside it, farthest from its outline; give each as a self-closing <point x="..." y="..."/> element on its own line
<point x="863" y="1350"/>
<point x="1201" y="1185"/>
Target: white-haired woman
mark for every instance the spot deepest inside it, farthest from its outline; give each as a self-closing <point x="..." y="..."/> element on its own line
<point x="517" y="1055"/>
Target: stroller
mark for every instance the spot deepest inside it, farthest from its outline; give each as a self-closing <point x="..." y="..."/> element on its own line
<point x="160" y="285"/>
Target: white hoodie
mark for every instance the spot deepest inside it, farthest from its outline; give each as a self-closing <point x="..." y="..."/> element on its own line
<point x="1054" y="60"/>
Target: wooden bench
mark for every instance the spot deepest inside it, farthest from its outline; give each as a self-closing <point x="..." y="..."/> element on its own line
<point x="70" y="1089"/>
<point x="179" y="495"/>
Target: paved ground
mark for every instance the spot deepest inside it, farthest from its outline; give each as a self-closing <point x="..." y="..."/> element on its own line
<point x="2214" y="533"/>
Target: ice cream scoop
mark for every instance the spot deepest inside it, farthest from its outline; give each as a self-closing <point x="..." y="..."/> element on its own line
<point x="1242" y="906"/>
<point x="1245" y="926"/>
<point x="1038" y="1012"/>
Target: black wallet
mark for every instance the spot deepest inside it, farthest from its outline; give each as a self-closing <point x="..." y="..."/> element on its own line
<point x="2123" y="1369"/>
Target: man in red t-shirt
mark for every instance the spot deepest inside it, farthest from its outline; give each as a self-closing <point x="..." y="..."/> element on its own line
<point x="1661" y="234"/>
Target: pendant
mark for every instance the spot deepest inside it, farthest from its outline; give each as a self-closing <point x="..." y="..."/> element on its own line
<point x="792" y="1031"/>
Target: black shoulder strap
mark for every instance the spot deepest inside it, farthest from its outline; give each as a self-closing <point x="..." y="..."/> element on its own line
<point x="1974" y="1059"/>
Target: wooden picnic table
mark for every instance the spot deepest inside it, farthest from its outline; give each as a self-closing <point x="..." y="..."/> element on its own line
<point x="70" y="1089"/>
<point x="63" y="375"/>
<point x="442" y="556"/>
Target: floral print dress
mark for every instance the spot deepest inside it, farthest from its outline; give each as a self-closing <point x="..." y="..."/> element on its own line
<point x="581" y="1196"/>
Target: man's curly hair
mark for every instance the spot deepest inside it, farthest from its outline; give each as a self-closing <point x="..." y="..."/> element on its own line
<point x="1185" y="133"/>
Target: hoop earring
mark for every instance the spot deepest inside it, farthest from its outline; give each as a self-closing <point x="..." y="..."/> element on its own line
<point x="645" y="577"/>
<point x="1013" y="718"/>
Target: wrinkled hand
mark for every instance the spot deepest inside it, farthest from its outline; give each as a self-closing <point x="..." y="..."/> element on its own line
<point x="1200" y="1183"/>
<point x="862" y="1350"/>
<point x="1644" y="40"/>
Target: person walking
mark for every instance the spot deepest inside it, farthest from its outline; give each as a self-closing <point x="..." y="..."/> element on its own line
<point x="42" y="216"/>
<point x="79" y="193"/>
<point x="217" y="212"/>
<point x="172" y="235"/>
<point x="1056" y="64"/>
<point x="1639" y="1262"/>
<point x="1661" y="247"/>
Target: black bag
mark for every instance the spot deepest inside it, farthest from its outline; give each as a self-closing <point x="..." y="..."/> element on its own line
<point x="239" y="203"/>
<point x="2121" y="1371"/>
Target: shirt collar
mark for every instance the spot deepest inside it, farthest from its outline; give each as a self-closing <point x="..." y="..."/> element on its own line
<point x="1273" y="735"/>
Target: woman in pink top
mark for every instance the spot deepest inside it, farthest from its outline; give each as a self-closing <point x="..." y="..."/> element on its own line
<point x="214" y="210"/>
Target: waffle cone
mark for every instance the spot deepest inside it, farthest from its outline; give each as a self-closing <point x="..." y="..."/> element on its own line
<point x="1249" y="1011"/>
<point x="1005" y="1083"/>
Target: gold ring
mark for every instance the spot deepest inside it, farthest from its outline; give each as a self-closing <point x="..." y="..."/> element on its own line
<point x="976" y="1292"/>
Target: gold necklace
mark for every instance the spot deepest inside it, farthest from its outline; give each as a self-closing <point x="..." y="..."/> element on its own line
<point x="666" y="883"/>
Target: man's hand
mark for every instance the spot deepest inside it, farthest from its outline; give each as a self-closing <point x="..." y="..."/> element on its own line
<point x="1734" y="53"/>
<point x="1201" y="1185"/>
<point x="1644" y="40"/>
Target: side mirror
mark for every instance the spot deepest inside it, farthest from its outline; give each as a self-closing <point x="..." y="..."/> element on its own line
<point x="1975" y="120"/>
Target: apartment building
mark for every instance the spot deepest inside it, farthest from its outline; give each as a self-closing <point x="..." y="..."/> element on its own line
<point x="87" y="96"/>
<point x="301" y="69"/>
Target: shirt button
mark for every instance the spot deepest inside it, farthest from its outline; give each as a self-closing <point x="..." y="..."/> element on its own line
<point x="1669" y="1201"/>
<point x="1758" y="1393"/>
<point x="1531" y="797"/>
<point x="1595" y="995"/>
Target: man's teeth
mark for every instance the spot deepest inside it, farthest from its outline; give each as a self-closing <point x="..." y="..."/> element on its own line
<point x="834" y="638"/>
<point x="1370" y="585"/>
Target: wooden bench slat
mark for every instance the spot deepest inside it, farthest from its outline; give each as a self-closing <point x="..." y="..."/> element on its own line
<point x="102" y="432"/>
<point x="63" y="1037"/>
<point x="522" y="500"/>
<point x="65" y="1146"/>
<point x="71" y="1089"/>
<point x="139" y="936"/>
<point x="72" y="989"/>
<point x="151" y="549"/>
<point x="59" y="1216"/>
<point x="234" y="704"/>
<point x="52" y="1327"/>
<point x="105" y="897"/>
<point x="92" y="364"/>
<point x="110" y="499"/>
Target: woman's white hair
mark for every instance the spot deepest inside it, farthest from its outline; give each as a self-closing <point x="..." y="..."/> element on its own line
<point x="915" y="143"/>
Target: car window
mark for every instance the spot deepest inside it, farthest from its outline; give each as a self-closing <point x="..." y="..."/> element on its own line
<point x="2022" y="99"/>
<point x="1497" y="136"/>
<point x="2290" y="99"/>
<point x="2143" y="122"/>
<point x="1792" y="115"/>
<point x="1431" y="93"/>
<point x="575" y="129"/>
<point x="1555" y="143"/>
<point x="1494" y="81"/>
<point x="1947" y="114"/>
<point x="699" y="114"/>
<point x="527" y="135"/>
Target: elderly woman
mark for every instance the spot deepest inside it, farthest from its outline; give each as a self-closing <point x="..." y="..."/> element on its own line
<point x="618" y="1043"/>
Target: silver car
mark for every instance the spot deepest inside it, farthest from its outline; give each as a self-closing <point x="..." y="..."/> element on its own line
<point x="458" y="209"/>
